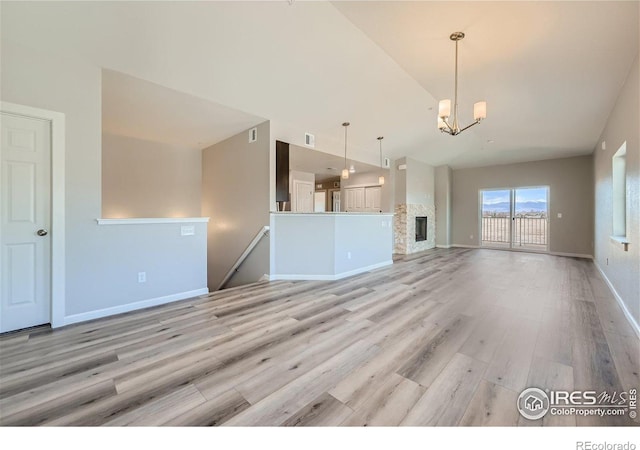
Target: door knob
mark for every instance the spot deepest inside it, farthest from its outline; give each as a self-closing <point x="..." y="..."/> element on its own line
<point x="42" y="232"/>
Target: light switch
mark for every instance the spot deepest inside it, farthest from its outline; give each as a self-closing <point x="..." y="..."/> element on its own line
<point x="559" y="215"/>
<point x="187" y="230"/>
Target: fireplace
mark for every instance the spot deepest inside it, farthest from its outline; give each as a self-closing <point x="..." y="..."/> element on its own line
<point x="421" y="228"/>
<point x="414" y="228"/>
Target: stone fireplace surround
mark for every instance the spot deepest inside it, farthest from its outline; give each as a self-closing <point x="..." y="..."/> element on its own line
<point x="404" y="224"/>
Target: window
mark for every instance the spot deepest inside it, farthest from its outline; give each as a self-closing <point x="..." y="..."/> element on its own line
<point x="619" y="177"/>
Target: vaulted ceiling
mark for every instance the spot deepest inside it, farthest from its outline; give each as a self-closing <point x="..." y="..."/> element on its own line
<point x="549" y="71"/>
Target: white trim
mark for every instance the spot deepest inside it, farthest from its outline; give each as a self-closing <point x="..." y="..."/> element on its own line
<point x="444" y="246"/>
<point x="258" y="237"/>
<point x="623" y="306"/>
<point x="619" y="239"/>
<point x="330" y="213"/>
<point x="152" y="220"/>
<point x="329" y="277"/>
<point x="571" y="255"/>
<point x="100" y="313"/>
<point x="58" y="227"/>
<point x="467" y="246"/>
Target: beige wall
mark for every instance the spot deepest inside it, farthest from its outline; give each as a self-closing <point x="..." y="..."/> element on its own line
<point x="571" y="193"/>
<point x="149" y="179"/>
<point x="235" y="195"/>
<point x="620" y="267"/>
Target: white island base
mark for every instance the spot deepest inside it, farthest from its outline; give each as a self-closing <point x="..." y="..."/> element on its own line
<point x="329" y="246"/>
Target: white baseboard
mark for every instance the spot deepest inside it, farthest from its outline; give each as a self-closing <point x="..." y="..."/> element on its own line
<point x="627" y="313"/>
<point x="444" y="246"/>
<point x="572" y="255"/>
<point x="330" y="277"/>
<point x="100" y="313"/>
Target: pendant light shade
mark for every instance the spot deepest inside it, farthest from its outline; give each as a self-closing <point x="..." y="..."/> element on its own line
<point x="345" y="171"/>
<point x="381" y="177"/>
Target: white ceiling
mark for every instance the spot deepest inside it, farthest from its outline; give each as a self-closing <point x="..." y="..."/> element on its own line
<point x="143" y="110"/>
<point x="550" y="71"/>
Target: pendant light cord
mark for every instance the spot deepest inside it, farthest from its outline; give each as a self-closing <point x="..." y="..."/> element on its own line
<point x="345" y="125"/>
<point x="455" y="94"/>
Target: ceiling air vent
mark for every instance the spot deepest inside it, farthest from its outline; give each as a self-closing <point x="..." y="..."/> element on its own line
<point x="309" y="140"/>
<point x="253" y="135"/>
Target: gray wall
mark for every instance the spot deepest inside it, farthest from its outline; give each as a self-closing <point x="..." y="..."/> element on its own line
<point x="149" y="179"/>
<point x="420" y="183"/>
<point x="95" y="278"/>
<point x="623" y="268"/>
<point x="399" y="182"/>
<point x="415" y="184"/>
<point x="443" y="194"/>
<point x="235" y="195"/>
<point x="571" y="193"/>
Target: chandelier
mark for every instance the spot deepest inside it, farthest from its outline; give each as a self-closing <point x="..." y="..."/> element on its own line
<point x="444" y="107"/>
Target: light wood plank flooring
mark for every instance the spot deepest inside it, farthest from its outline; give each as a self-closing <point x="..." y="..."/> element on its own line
<point x="445" y="337"/>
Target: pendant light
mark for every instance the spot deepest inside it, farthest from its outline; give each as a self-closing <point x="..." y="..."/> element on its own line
<point x="444" y="107"/>
<point x="345" y="171"/>
<point x="381" y="177"/>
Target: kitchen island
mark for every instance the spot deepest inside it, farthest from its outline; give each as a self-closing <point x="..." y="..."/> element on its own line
<point x="328" y="246"/>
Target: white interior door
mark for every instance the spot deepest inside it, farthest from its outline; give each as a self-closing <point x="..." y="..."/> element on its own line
<point x="372" y="198"/>
<point x="320" y="201"/>
<point x="336" y="201"/>
<point x="25" y="248"/>
<point x="303" y="196"/>
<point x="354" y="199"/>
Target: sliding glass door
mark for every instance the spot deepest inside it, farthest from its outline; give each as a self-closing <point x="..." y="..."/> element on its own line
<point x="496" y="218"/>
<point x="515" y="218"/>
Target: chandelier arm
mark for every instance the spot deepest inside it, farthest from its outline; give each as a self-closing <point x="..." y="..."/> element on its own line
<point x="451" y="130"/>
<point x="469" y="126"/>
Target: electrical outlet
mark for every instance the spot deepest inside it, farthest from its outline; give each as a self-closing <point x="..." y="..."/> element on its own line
<point x="471" y="236"/>
<point x="142" y="277"/>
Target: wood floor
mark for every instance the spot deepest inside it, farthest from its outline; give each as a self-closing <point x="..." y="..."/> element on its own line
<point x="446" y="337"/>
